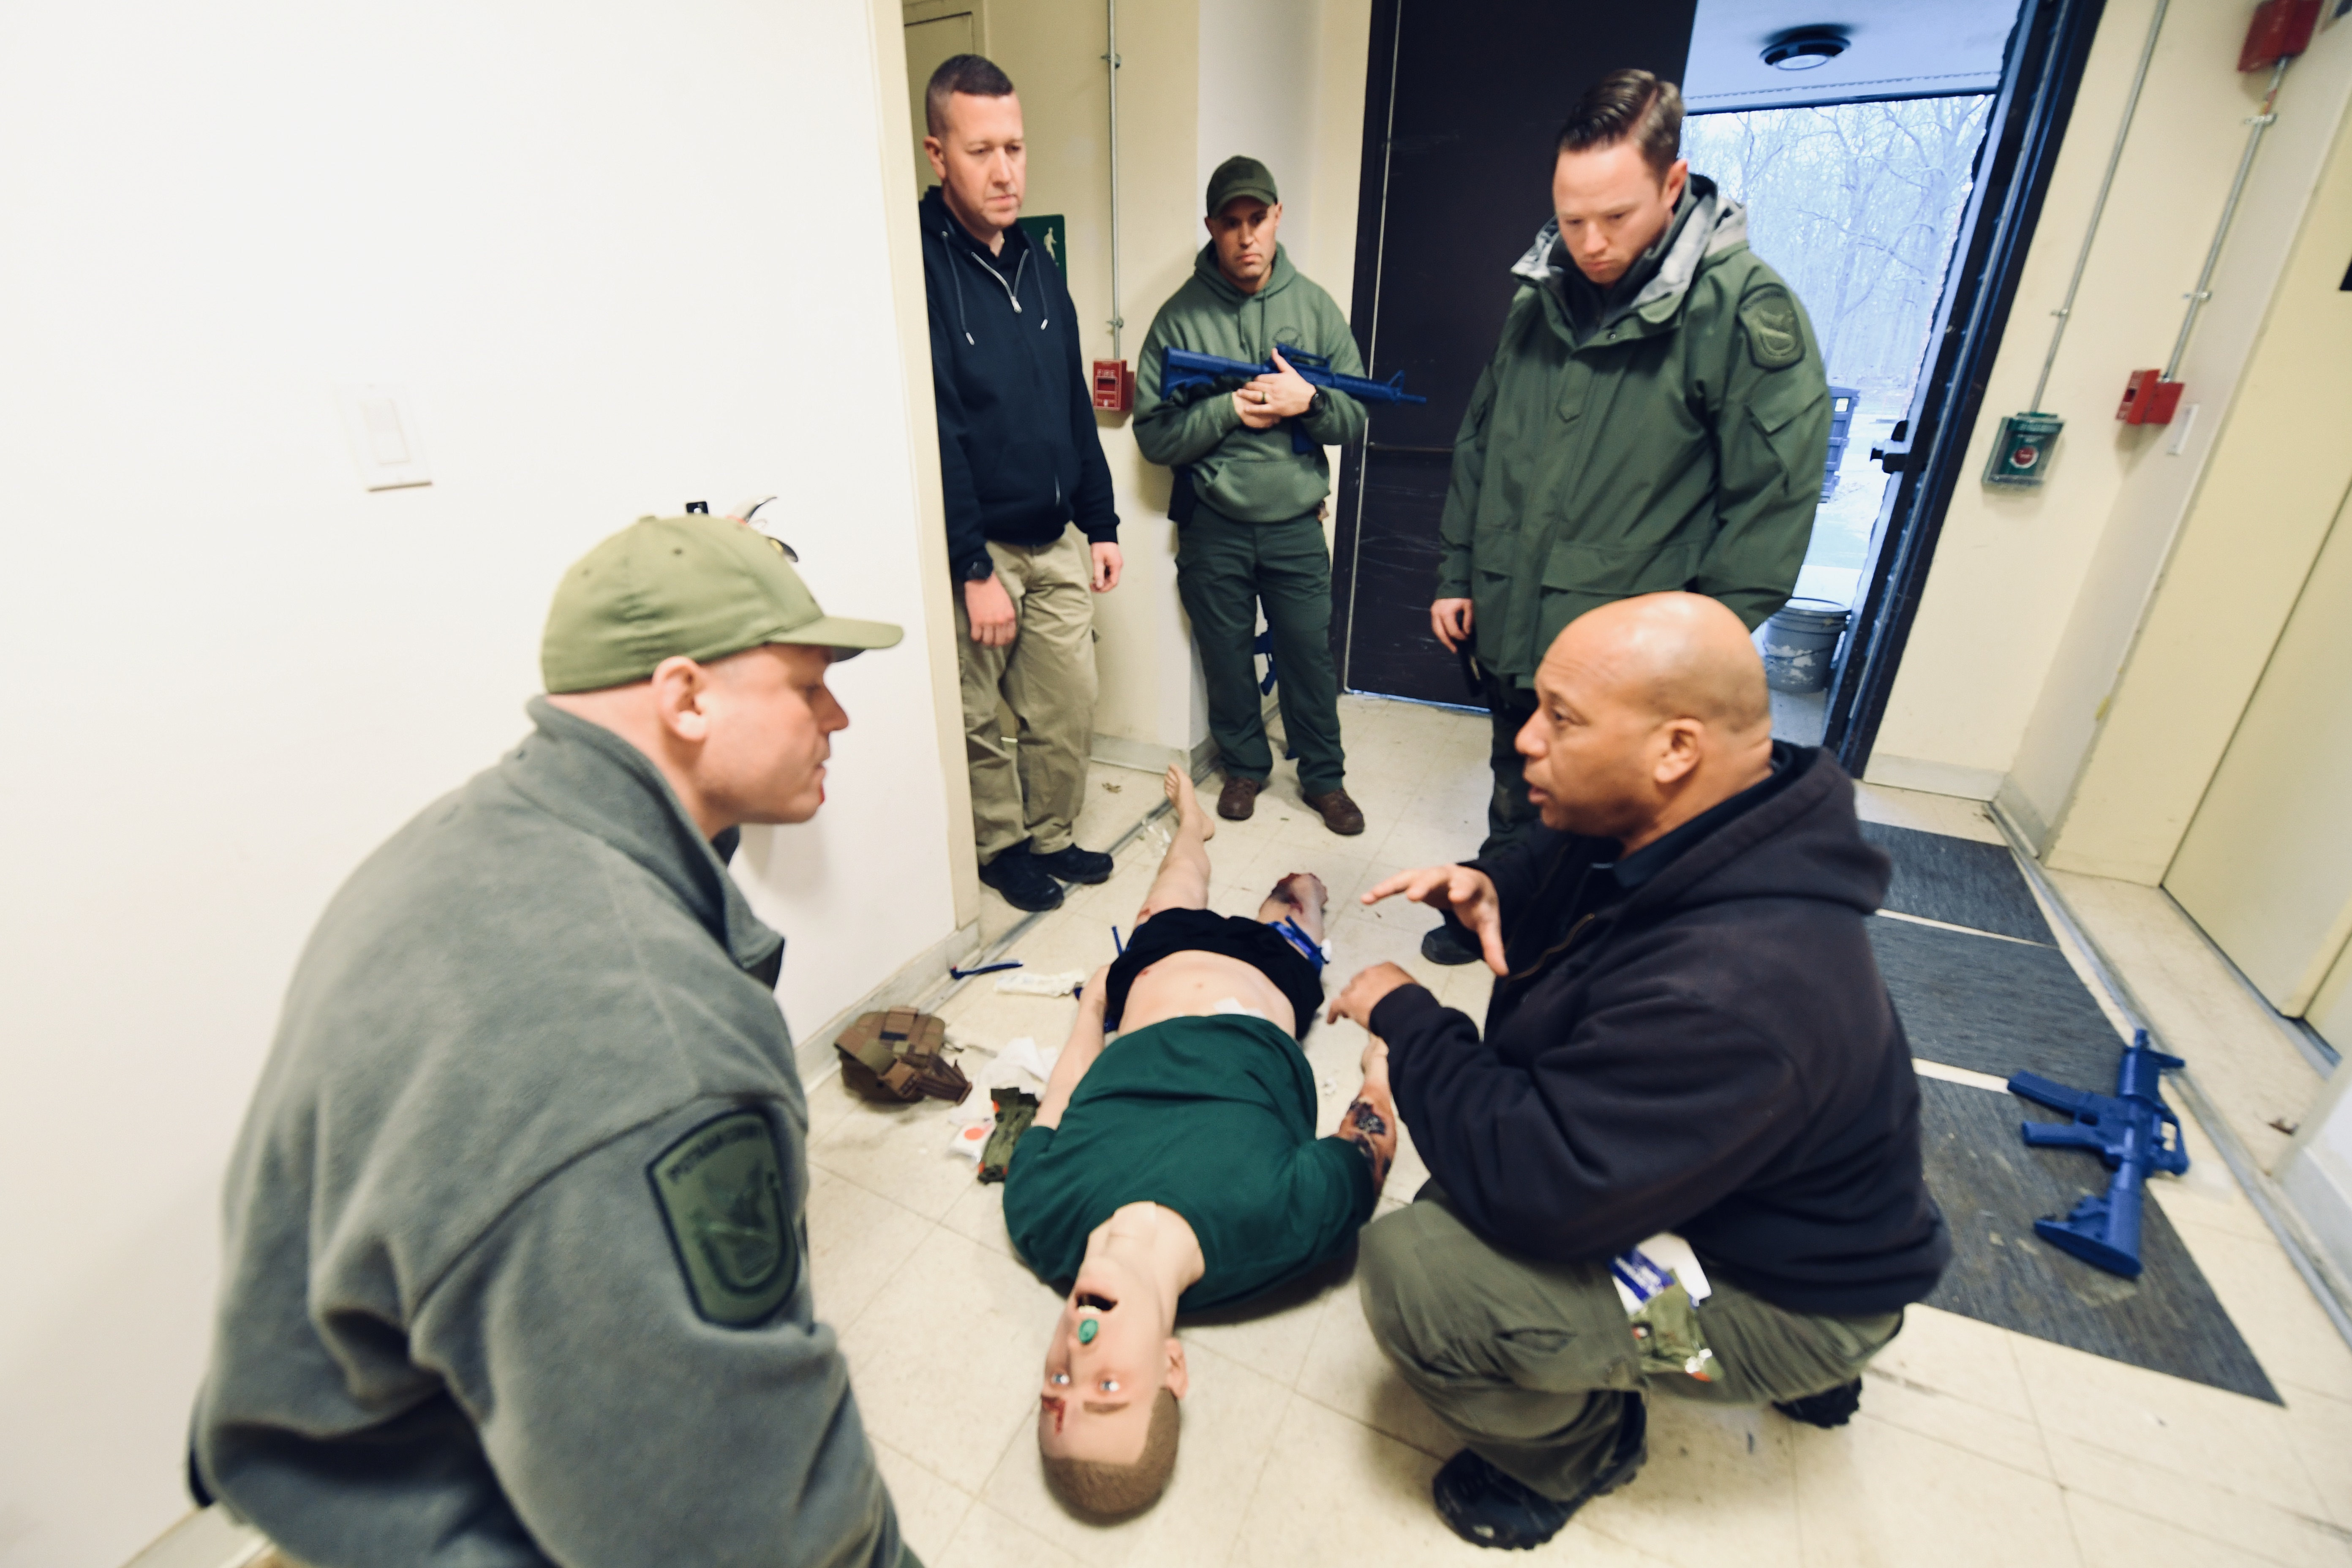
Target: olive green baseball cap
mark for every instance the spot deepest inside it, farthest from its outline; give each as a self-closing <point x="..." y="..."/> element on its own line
<point x="1240" y="177"/>
<point x="698" y="587"/>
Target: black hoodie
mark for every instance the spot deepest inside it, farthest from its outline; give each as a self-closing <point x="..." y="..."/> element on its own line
<point x="1019" y="455"/>
<point x="1710" y="1052"/>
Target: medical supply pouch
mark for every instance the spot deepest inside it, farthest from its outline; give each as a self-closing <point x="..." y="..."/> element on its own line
<point x="1015" y="1110"/>
<point x="900" y="1055"/>
<point x="1661" y="1283"/>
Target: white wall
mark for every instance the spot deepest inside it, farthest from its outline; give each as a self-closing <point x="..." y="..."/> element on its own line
<point x="581" y="236"/>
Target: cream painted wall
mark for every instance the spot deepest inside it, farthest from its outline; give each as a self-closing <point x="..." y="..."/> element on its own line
<point x="2033" y="594"/>
<point x="2278" y="473"/>
<point x="1186" y="63"/>
<point x="579" y="236"/>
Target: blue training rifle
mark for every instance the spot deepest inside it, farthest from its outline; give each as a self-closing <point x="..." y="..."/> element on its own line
<point x="2127" y="1131"/>
<point x="1182" y="370"/>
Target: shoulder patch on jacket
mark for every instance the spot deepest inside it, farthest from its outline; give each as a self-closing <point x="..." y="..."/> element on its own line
<point x="1775" y="339"/>
<point x="720" y="1190"/>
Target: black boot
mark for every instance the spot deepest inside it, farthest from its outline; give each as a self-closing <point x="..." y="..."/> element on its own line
<point x="1831" y="1408"/>
<point x="1487" y="1508"/>
<point x="1450" y="944"/>
<point x="1023" y="883"/>
<point x="1073" y="864"/>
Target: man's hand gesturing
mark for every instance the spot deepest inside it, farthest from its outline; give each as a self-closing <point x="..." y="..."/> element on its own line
<point x="1468" y="893"/>
<point x="1356" y="1000"/>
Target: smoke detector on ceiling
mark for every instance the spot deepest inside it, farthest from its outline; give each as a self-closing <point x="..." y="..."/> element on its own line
<point x="1804" y="48"/>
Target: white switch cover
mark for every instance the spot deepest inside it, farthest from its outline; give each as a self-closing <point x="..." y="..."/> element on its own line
<point x="380" y="423"/>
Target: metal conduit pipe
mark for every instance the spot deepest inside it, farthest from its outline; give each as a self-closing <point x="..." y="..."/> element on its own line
<point x="1110" y="58"/>
<point x="2065" y="310"/>
<point x="2199" y="295"/>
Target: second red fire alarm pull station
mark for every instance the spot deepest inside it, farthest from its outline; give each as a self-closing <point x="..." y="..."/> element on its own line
<point x="1114" y="386"/>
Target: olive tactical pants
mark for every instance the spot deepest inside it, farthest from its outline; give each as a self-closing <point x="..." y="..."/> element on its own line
<point x="1225" y="570"/>
<point x="1047" y="677"/>
<point x="1535" y="1364"/>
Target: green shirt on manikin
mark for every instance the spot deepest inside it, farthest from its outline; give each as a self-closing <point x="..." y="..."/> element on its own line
<point x="1213" y="1118"/>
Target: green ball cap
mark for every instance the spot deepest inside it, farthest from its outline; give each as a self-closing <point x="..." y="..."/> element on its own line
<point x="1240" y="177"/>
<point x="698" y="587"/>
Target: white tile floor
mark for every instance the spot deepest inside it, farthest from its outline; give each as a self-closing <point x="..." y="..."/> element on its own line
<point x="1975" y="1446"/>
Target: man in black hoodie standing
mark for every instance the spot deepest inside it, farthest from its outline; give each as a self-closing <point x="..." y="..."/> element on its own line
<point x="1020" y="462"/>
<point x="1685" y="1157"/>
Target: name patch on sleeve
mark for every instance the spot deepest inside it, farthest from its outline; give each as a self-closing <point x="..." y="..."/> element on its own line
<point x="720" y="1190"/>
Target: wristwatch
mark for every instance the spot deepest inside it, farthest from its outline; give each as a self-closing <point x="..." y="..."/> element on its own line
<point x="980" y="571"/>
<point x="1315" y="405"/>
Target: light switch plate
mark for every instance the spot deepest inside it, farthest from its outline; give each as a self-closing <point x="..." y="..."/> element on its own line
<point x="380" y="424"/>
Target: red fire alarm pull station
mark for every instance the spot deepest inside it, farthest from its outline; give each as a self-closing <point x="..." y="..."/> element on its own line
<point x="1114" y="386"/>
<point x="2281" y="29"/>
<point x="2149" y="399"/>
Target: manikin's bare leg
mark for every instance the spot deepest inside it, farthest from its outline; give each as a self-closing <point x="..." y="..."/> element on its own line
<point x="1183" y="880"/>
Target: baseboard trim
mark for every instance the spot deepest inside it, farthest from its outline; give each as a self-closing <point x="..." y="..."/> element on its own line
<point x="2011" y="807"/>
<point x="911" y="982"/>
<point x="1149" y="756"/>
<point x="1933" y="778"/>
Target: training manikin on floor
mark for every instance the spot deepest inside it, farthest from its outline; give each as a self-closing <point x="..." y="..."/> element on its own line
<point x="1976" y="1444"/>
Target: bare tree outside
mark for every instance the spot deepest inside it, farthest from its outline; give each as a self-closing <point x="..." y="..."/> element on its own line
<point x="1857" y="205"/>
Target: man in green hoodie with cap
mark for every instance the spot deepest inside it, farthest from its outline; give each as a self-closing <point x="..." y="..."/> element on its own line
<point x="1656" y="418"/>
<point x="1250" y="509"/>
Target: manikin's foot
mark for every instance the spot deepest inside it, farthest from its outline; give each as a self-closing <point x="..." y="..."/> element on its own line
<point x="1179" y="788"/>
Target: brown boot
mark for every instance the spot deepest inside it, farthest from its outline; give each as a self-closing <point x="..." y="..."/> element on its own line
<point x="1341" y="814"/>
<point x="1239" y="797"/>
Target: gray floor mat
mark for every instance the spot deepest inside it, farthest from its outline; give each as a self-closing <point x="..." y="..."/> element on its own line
<point x="1992" y="1188"/>
<point x="1960" y="882"/>
<point x="1995" y="1007"/>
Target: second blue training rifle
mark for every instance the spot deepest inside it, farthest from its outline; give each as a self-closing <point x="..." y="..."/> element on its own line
<point x="1182" y="370"/>
<point x="2127" y="1131"/>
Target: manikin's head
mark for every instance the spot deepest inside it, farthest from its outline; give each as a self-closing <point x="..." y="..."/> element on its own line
<point x="1648" y="712"/>
<point x="975" y="145"/>
<point x="692" y="639"/>
<point x="1617" y="180"/>
<point x="1244" y="218"/>
<point x="1107" y="1418"/>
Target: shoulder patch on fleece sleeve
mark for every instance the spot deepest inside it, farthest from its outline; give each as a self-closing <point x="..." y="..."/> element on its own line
<point x="720" y="1190"/>
<point x="1775" y="338"/>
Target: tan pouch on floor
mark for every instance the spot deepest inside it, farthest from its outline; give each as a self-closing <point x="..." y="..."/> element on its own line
<point x="900" y="1055"/>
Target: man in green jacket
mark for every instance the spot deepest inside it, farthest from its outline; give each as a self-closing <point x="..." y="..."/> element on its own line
<point x="1656" y="418"/>
<point x="517" y="1270"/>
<point x="1250" y="509"/>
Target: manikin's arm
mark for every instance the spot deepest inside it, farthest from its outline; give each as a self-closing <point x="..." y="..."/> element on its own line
<point x="1079" y="1053"/>
<point x="1370" y="1122"/>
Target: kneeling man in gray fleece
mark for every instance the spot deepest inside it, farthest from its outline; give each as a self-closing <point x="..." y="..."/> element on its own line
<point x="515" y="1271"/>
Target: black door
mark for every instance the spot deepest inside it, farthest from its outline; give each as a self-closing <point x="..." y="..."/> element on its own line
<point x="1461" y="103"/>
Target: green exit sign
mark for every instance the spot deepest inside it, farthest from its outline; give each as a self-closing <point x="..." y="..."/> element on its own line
<point x="1047" y="232"/>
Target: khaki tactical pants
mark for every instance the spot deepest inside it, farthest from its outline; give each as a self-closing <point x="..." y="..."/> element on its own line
<point x="1047" y="676"/>
<point x="1534" y="1365"/>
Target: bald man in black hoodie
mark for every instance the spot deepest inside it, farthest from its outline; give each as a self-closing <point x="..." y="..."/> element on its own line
<point x="1685" y="1157"/>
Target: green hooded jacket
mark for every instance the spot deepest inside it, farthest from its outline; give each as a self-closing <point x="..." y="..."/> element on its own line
<point x="1249" y="475"/>
<point x="1679" y="443"/>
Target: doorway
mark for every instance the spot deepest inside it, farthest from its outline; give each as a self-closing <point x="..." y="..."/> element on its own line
<point x="937" y="31"/>
<point x="1458" y="125"/>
